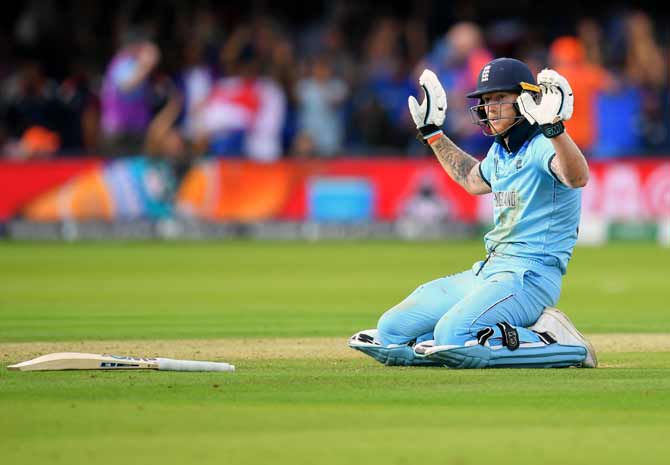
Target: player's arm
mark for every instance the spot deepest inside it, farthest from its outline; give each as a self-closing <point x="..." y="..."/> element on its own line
<point x="569" y="164"/>
<point x="428" y="117"/>
<point x="460" y="166"/>
<point x="555" y="106"/>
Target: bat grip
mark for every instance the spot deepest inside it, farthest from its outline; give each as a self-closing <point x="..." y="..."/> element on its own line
<point x="169" y="364"/>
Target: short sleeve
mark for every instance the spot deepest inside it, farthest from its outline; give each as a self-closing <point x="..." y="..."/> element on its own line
<point x="486" y="168"/>
<point x="543" y="153"/>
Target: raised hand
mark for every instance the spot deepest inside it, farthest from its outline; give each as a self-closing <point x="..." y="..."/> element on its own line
<point x="555" y="106"/>
<point x="429" y="115"/>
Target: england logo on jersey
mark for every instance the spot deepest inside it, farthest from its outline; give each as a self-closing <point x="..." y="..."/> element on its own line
<point x="506" y="199"/>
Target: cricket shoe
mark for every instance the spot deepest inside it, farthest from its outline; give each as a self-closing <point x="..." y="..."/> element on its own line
<point x="559" y="326"/>
<point x="392" y="355"/>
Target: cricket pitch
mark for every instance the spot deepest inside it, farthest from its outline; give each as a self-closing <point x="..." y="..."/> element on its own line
<point x="241" y="349"/>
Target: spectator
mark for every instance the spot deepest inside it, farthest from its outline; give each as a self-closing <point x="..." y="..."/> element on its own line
<point x="380" y="112"/>
<point x="108" y="110"/>
<point x="457" y="59"/>
<point x="284" y="72"/>
<point x="329" y="39"/>
<point x="645" y="68"/>
<point x="37" y="142"/>
<point x="320" y="98"/>
<point x="590" y="35"/>
<point x="567" y="57"/>
<point x="244" y="113"/>
<point x="196" y="81"/>
<point x="32" y="110"/>
<point x="166" y="143"/>
<point x="644" y="58"/>
<point x="126" y="97"/>
<point x="80" y="125"/>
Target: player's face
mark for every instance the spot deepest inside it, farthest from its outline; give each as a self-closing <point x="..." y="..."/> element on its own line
<point x="500" y="110"/>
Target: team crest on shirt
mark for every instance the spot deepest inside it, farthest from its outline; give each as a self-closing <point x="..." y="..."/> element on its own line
<point x="506" y="199"/>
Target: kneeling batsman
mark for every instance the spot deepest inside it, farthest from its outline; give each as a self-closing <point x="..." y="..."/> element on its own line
<point x="501" y="312"/>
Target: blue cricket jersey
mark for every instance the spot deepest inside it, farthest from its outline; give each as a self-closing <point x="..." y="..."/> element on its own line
<point x="535" y="215"/>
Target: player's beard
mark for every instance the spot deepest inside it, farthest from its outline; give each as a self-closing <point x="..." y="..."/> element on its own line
<point x="480" y="118"/>
<point x="503" y="133"/>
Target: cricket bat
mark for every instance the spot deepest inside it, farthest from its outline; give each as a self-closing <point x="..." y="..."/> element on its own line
<point x="79" y="361"/>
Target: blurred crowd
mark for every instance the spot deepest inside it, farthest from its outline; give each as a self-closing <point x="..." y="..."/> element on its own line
<point x="183" y="81"/>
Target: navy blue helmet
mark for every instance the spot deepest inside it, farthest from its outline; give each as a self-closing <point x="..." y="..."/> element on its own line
<point x="501" y="75"/>
<point x="504" y="75"/>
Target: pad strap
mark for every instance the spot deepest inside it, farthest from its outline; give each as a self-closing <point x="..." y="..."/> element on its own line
<point x="510" y="336"/>
<point x="484" y="335"/>
<point x="366" y="338"/>
<point x="545" y="337"/>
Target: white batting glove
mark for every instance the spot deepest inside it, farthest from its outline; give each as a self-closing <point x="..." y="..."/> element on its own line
<point x="550" y="78"/>
<point x="429" y="116"/>
<point x="556" y="103"/>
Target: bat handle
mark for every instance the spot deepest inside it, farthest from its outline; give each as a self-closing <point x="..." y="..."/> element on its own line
<point x="169" y="364"/>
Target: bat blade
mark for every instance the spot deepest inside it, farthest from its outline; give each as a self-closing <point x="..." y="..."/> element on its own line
<point x="81" y="361"/>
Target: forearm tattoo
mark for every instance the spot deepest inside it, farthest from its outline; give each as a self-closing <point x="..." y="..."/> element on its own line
<point x="457" y="163"/>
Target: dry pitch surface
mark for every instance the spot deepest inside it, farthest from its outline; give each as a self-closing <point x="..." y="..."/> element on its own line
<point x="249" y="349"/>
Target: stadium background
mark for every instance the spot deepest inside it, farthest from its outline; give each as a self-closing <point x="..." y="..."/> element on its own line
<point x="314" y="142"/>
<point x="258" y="119"/>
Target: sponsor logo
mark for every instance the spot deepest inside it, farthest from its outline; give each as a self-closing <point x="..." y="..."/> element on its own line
<point x="117" y="365"/>
<point x="506" y="199"/>
<point x="131" y="359"/>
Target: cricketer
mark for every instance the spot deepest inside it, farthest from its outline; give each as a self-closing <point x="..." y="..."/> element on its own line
<point x="500" y="312"/>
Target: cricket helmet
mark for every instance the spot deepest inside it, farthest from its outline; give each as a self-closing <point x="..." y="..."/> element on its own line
<point x="501" y="75"/>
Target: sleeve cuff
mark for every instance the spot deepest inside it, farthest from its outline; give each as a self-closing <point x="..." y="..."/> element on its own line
<point x="481" y="173"/>
<point x="552" y="171"/>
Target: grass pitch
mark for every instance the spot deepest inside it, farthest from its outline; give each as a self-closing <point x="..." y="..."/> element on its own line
<point x="318" y="403"/>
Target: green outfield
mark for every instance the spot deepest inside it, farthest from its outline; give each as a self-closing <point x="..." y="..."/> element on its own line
<point x="282" y="313"/>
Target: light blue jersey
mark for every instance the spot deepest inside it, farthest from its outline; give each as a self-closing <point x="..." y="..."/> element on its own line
<point x="484" y="316"/>
<point x="493" y="315"/>
<point x="535" y="215"/>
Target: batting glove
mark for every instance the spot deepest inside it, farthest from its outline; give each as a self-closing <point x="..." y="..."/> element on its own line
<point x="429" y="116"/>
<point x="556" y="103"/>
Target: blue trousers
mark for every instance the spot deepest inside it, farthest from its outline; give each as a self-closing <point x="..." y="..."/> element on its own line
<point x="452" y="310"/>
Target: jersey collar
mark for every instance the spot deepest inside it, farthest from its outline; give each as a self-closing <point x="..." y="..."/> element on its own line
<point x="518" y="134"/>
